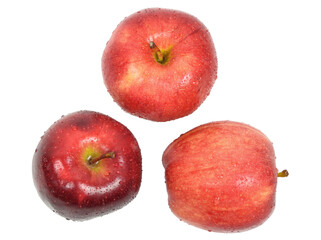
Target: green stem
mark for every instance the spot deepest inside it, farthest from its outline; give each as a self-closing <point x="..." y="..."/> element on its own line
<point x="92" y="161"/>
<point x="284" y="173"/>
<point x="158" y="53"/>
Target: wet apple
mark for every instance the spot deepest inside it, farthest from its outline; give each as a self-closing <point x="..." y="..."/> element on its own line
<point x="87" y="165"/>
<point x="160" y="64"/>
<point x="222" y="177"/>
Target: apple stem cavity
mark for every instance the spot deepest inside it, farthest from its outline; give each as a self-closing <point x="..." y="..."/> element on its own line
<point x="92" y="161"/>
<point x="158" y="53"/>
<point x="284" y="173"/>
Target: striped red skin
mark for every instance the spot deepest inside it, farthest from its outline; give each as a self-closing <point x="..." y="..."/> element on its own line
<point x="148" y="89"/>
<point x="71" y="187"/>
<point x="221" y="177"/>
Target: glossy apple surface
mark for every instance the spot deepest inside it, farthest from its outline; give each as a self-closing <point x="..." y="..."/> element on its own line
<point x="160" y="64"/>
<point x="221" y="177"/>
<point x="87" y="165"/>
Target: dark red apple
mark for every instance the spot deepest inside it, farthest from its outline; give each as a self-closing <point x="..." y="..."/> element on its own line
<point x="221" y="177"/>
<point x="87" y="165"/>
<point x="160" y="64"/>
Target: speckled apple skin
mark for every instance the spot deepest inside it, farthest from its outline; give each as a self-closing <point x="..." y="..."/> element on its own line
<point x="72" y="188"/>
<point x="148" y="89"/>
<point x="221" y="177"/>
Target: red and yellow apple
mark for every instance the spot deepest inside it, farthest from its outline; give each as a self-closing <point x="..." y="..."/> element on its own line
<point x="87" y="165"/>
<point x="160" y="64"/>
<point x="221" y="177"/>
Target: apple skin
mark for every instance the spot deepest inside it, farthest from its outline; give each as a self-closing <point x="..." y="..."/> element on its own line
<point x="221" y="177"/>
<point x="148" y="89"/>
<point x="68" y="184"/>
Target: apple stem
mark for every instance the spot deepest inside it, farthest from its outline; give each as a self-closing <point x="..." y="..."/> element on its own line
<point x="92" y="161"/>
<point x="284" y="173"/>
<point x="157" y="51"/>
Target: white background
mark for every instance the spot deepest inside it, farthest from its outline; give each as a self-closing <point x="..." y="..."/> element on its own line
<point x="269" y="77"/>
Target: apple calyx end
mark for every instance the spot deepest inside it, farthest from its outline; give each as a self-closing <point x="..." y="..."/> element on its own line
<point x="284" y="173"/>
<point x="92" y="161"/>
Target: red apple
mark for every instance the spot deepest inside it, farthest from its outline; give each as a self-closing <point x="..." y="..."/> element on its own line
<point x="87" y="165"/>
<point x="221" y="177"/>
<point x="160" y="64"/>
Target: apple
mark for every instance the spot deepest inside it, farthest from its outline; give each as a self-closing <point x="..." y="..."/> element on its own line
<point x="221" y="177"/>
<point x="159" y="64"/>
<point x="87" y="165"/>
